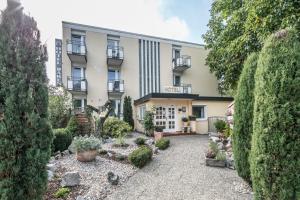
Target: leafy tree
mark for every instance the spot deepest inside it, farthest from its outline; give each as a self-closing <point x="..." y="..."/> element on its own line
<point x="238" y="28"/>
<point x="127" y="111"/>
<point x="275" y="162"/>
<point x="59" y="107"/>
<point x="243" y="118"/>
<point x="25" y="132"/>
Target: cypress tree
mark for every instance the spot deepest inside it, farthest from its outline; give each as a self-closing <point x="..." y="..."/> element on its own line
<point x="127" y="111"/>
<point x="25" y="133"/>
<point x="275" y="162"/>
<point x="243" y="117"/>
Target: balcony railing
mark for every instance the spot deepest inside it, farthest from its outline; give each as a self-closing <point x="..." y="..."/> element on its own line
<point x="115" y="55"/>
<point x="77" y="84"/>
<point x="182" y="63"/>
<point x="77" y="51"/>
<point x="115" y="86"/>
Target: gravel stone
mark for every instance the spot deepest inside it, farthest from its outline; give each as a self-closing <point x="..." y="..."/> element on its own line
<point x="70" y="179"/>
<point x="179" y="173"/>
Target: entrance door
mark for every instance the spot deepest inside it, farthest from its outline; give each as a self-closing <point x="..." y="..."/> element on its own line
<point x="165" y="117"/>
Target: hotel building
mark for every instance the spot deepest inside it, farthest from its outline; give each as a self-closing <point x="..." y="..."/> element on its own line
<point x="164" y="75"/>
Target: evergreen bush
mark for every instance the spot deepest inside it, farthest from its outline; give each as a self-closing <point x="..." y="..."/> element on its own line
<point x="127" y="111"/>
<point x="25" y="131"/>
<point x="74" y="127"/>
<point x="162" y="143"/>
<point x="220" y="125"/>
<point x="243" y="118"/>
<point x="140" y="141"/>
<point x="62" y="139"/>
<point x="140" y="157"/>
<point x="275" y="163"/>
<point x="148" y="123"/>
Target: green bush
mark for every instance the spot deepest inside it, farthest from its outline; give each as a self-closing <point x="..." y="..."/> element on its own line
<point x="148" y="123"/>
<point x="220" y="125"/>
<point x="221" y="155"/>
<point x="86" y="143"/>
<point x="213" y="147"/>
<point x="140" y="157"/>
<point x="62" y="139"/>
<point x="140" y="141"/>
<point x="227" y="131"/>
<point x="274" y="157"/>
<point x="73" y="127"/>
<point x="243" y="118"/>
<point x="162" y="143"/>
<point x="62" y="193"/>
<point x="114" y="127"/>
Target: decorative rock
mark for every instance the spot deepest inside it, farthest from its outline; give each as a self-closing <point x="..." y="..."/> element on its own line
<point x="70" y="179"/>
<point x="149" y="142"/>
<point x="80" y="197"/>
<point x="112" y="178"/>
<point x="215" y="139"/>
<point x="155" y="150"/>
<point x="220" y="145"/>
<point x="120" y="157"/>
<point x="58" y="156"/>
<point x="51" y="167"/>
<point x="50" y="175"/>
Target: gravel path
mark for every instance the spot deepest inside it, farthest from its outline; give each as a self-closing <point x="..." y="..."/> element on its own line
<point x="180" y="173"/>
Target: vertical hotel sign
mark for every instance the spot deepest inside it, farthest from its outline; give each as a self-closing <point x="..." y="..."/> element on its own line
<point x="58" y="61"/>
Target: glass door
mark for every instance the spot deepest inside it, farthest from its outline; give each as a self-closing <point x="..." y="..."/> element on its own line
<point x="76" y="77"/>
<point x="171" y="119"/>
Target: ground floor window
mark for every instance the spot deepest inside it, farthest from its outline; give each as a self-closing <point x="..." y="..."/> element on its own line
<point x="142" y="110"/>
<point x="199" y="111"/>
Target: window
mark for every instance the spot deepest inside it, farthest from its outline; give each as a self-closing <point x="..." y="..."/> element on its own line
<point x="142" y="110"/>
<point x="116" y="105"/>
<point x="177" y="80"/>
<point x="199" y="112"/>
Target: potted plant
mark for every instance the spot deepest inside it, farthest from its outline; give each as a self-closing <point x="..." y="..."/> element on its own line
<point x="185" y="124"/>
<point x="192" y="120"/>
<point x="86" y="148"/>
<point x="158" y="132"/>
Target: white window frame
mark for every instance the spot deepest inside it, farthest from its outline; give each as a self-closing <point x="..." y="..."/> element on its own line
<point x="142" y="111"/>
<point x="205" y="112"/>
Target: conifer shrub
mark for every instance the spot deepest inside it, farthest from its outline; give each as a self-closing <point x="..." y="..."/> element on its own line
<point x="243" y="118"/>
<point x="127" y="111"/>
<point x="140" y="141"/>
<point x="274" y="157"/>
<point x="25" y="130"/>
<point x="73" y="127"/>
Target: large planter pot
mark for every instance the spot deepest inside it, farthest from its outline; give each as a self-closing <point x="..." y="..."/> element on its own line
<point x="158" y="135"/>
<point x="86" y="156"/>
<point x="193" y="126"/>
<point x="215" y="163"/>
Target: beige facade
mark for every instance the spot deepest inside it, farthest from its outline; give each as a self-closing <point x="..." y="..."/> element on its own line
<point x="107" y="64"/>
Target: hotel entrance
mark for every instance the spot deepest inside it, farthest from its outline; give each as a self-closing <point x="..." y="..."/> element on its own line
<point x="165" y="116"/>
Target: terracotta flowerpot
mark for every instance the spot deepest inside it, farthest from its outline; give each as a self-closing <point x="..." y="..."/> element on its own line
<point x="86" y="156"/>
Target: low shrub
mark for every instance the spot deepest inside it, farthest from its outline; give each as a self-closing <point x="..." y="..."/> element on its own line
<point x="102" y="152"/>
<point x="140" y="141"/>
<point x="86" y="143"/>
<point x="213" y="147"/>
<point x="220" y="125"/>
<point x="162" y="143"/>
<point x="227" y="131"/>
<point x="114" y="127"/>
<point x="62" y="193"/>
<point x="140" y="157"/>
<point x="62" y="139"/>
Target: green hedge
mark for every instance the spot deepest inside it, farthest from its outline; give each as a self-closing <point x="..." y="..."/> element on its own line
<point x="162" y="143"/>
<point x="275" y="164"/>
<point x="243" y="118"/>
<point x="73" y="127"/>
<point x="62" y="139"/>
<point x="140" y="157"/>
<point x="114" y="127"/>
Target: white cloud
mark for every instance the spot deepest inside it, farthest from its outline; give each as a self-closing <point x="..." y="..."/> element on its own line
<point x="140" y="16"/>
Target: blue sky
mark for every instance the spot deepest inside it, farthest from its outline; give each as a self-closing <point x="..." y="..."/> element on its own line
<point x="194" y="12"/>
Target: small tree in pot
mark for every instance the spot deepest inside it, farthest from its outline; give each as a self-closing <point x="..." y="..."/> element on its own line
<point x="86" y="148"/>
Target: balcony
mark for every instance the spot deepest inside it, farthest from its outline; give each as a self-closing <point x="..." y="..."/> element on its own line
<point x="115" y="88"/>
<point x="77" y="85"/>
<point x="181" y="64"/>
<point x="115" y="56"/>
<point x="77" y="51"/>
<point x="179" y="89"/>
